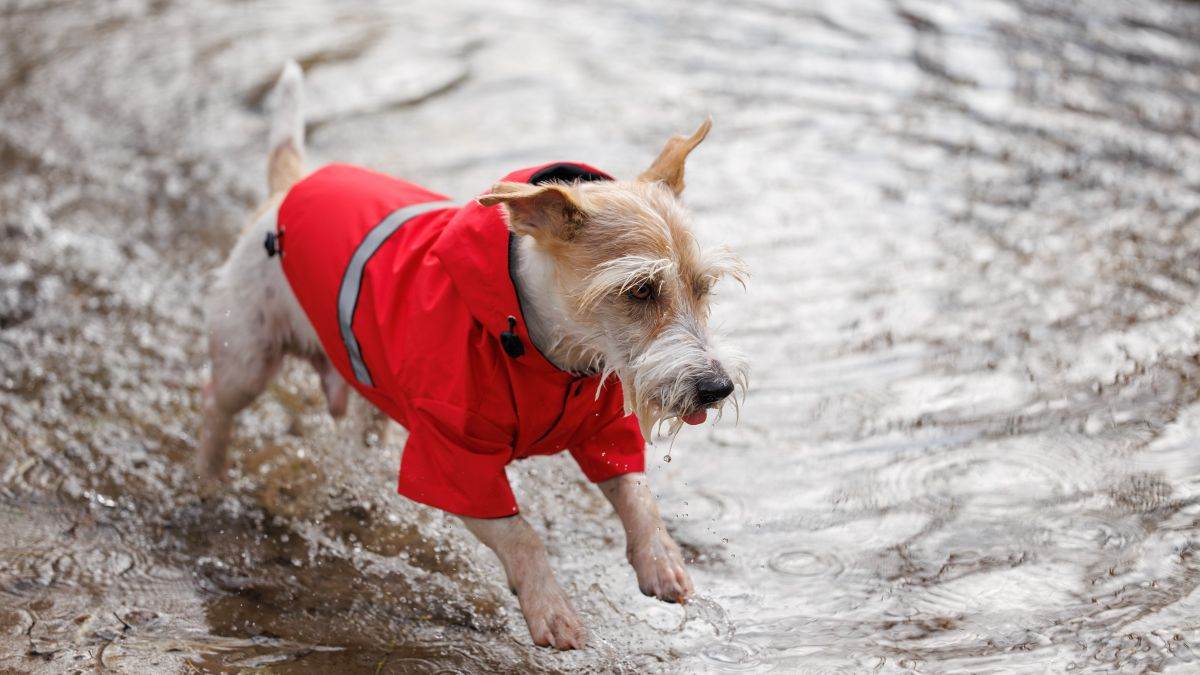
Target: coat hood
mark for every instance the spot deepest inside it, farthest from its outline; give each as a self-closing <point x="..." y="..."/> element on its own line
<point x="474" y="249"/>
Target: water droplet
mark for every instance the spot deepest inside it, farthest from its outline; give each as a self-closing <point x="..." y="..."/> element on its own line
<point x="666" y="458"/>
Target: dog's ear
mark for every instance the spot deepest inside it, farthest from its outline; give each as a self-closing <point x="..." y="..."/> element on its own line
<point x="668" y="166"/>
<point x="541" y="211"/>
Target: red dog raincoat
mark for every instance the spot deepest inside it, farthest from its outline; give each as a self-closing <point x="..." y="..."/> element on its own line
<point x="413" y="301"/>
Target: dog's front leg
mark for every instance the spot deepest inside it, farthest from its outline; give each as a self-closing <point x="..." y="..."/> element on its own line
<point x="551" y="619"/>
<point x="653" y="553"/>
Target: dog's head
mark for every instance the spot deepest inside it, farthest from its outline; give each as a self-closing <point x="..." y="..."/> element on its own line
<point x="635" y="283"/>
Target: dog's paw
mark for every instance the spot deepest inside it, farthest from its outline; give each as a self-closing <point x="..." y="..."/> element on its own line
<point x="660" y="570"/>
<point x="551" y="619"/>
<point x="211" y="481"/>
<point x="211" y="470"/>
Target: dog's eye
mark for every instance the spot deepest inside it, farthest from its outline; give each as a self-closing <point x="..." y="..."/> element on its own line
<point x="641" y="292"/>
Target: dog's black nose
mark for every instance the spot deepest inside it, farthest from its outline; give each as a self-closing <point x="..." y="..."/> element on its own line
<point x="713" y="388"/>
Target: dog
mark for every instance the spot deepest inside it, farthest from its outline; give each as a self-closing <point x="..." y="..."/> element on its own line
<point x="560" y="310"/>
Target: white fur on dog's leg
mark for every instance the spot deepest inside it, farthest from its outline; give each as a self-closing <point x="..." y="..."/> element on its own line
<point x="335" y="388"/>
<point x="337" y="393"/>
<point x="231" y="389"/>
<point x="210" y="455"/>
<point x="551" y="619"/>
<point x="655" y="557"/>
<point x="244" y="359"/>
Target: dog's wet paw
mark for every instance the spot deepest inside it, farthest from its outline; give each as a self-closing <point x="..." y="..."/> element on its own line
<point x="660" y="570"/>
<point x="551" y="619"/>
<point x="211" y="472"/>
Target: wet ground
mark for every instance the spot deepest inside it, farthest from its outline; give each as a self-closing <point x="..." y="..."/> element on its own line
<point x="971" y="438"/>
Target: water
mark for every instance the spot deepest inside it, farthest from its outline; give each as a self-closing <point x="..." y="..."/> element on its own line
<point x="969" y="443"/>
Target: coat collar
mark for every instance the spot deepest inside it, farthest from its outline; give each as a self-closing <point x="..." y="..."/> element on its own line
<point x="474" y="250"/>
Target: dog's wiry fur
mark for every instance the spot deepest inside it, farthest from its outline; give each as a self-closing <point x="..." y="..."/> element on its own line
<point x="611" y="280"/>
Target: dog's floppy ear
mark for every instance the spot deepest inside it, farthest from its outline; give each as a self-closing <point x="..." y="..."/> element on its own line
<point x="542" y="211"/>
<point x="668" y="166"/>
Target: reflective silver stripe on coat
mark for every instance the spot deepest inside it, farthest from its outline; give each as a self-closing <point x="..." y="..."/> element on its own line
<point x="352" y="279"/>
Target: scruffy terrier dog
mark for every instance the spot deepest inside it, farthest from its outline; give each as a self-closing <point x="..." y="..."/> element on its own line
<point x="490" y="330"/>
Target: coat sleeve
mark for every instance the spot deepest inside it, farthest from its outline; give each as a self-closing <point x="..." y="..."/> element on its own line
<point x="618" y="448"/>
<point x="454" y="460"/>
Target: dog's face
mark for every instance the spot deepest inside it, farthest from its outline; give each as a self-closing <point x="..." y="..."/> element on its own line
<point x="636" y="283"/>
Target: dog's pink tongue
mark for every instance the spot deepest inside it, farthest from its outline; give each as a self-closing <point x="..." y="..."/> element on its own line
<point x="697" y="417"/>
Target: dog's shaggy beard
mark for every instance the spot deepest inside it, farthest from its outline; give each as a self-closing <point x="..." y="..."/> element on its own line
<point x="659" y="382"/>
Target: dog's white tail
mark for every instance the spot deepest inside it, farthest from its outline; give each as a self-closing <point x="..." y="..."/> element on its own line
<point x="284" y="167"/>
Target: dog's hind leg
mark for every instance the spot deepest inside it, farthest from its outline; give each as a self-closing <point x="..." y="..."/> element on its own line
<point x="236" y="381"/>
<point x="253" y="318"/>
<point x="337" y="392"/>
